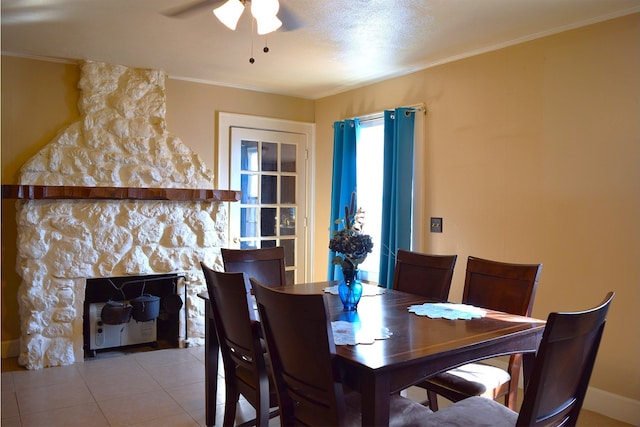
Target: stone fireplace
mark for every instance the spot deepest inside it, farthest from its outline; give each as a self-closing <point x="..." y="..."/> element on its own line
<point x="121" y="141"/>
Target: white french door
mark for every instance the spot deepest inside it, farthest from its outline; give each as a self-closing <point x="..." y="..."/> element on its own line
<point x="269" y="168"/>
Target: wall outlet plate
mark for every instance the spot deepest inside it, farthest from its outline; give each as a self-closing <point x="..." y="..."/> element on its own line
<point x="436" y="225"/>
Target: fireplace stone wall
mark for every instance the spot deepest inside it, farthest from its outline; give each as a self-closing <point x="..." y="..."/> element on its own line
<point x="121" y="141"/>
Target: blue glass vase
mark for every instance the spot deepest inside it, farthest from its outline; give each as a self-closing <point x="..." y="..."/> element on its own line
<point x="350" y="289"/>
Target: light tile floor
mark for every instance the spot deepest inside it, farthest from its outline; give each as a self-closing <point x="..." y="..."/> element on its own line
<point x="151" y="388"/>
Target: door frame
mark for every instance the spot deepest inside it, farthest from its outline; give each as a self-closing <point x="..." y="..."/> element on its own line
<point x="226" y="121"/>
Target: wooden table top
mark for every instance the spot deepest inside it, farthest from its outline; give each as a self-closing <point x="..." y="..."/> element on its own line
<point x="415" y="337"/>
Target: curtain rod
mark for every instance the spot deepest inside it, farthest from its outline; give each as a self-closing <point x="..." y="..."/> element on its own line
<point x="380" y="114"/>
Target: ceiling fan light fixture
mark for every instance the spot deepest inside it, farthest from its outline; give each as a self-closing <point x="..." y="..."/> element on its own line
<point x="229" y="13"/>
<point x="264" y="11"/>
<point x="263" y="8"/>
<point x="268" y="24"/>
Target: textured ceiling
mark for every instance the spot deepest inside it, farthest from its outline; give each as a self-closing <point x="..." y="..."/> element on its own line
<point x="330" y="46"/>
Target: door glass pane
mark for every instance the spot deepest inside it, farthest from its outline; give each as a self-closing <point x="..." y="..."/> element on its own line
<point x="269" y="156"/>
<point x="269" y="190"/>
<point x="287" y="221"/>
<point x="268" y="244"/>
<point x="288" y="189"/>
<point x="268" y="221"/>
<point x="249" y="155"/>
<point x="249" y="188"/>
<point x="249" y="222"/>
<point x="289" y="246"/>
<point x="249" y="244"/>
<point x="288" y="154"/>
<point x="289" y="252"/>
<point x="290" y="277"/>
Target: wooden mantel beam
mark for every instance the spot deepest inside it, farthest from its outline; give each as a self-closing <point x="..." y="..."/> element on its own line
<point x="54" y="192"/>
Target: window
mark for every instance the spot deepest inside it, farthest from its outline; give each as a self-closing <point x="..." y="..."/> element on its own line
<point x="370" y="158"/>
<point x="396" y="182"/>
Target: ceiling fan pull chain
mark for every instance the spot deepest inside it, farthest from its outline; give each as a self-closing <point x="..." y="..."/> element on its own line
<point x="252" y="59"/>
<point x="265" y="49"/>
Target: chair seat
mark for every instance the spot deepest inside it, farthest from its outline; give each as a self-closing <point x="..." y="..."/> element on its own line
<point x="402" y="411"/>
<point x="473" y="379"/>
<point x="474" y="411"/>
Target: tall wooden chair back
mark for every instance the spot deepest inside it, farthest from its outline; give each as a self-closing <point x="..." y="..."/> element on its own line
<point x="266" y="265"/>
<point x="299" y="337"/>
<point x="246" y="369"/>
<point x="501" y="286"/>
<point x="497" y="286"/>
<point x="565" y="358"/>
<point x="424" y="274"/>
<point x="559" y="379"/>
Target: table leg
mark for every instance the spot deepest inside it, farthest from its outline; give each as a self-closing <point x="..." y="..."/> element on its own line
<point x="375" y="400"/>
<point x="528" y="360"/>
<point x="211" y="352"/>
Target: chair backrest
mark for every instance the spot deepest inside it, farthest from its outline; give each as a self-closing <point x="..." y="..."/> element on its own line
<point x="300" y="342"/>
<point x="423" y="274"/>
<point x="563" y="367"/>
<point x="501" y="286"/>
<point x="266" y="265"/>
<point x="238" y="334"/>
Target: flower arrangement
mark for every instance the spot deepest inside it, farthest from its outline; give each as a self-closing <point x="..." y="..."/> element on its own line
<point x="350" y="241"/>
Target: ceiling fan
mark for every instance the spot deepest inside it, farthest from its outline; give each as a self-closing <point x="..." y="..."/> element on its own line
<point x="270" y="15"/>
<point x="264" y="14"/>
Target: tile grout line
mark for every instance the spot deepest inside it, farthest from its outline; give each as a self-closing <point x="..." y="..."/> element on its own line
<point x="84" y="380"/>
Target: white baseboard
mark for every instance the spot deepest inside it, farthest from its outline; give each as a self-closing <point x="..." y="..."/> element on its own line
<point x="613" y="406"/>
<point x="10" y="348"/>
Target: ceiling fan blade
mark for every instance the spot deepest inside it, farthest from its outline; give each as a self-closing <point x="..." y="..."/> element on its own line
<point x="191" y="8"/>
<point x="290" y="21"/>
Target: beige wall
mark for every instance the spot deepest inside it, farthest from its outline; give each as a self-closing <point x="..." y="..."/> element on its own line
<point x="532" y="155"/>
<point x="192" y="112"/>
<point x="40" y="98"/>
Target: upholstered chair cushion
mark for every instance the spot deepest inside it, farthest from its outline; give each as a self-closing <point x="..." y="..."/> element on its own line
<point x="403" y="412"/>
<point x="474" y="411"/>
<point x="474" y="379"/>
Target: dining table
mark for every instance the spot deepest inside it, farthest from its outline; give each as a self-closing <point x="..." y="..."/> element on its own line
<point x="413" y="348"/>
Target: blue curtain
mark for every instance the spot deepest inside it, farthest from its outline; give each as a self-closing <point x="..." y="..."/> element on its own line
<point x="397" y="192"/>
<point x="344" y="178"/>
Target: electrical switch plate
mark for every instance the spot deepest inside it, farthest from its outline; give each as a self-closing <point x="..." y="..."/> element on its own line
<point x="436" y="225"/>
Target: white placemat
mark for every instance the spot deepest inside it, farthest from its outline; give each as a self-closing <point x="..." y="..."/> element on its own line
<point x="367" y="290"/>
<point x="352" y="333"/>
<point x="447" y="310"/>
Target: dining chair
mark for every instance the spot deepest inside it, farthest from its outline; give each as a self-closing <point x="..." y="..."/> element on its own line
<point x="424" y="274"/>
<point x="559" y="379"/>
<point x="246" y="367"/>
<point x="498" y="286"/>
<point x="299" y="338"/>
<point x="264" y="264"/>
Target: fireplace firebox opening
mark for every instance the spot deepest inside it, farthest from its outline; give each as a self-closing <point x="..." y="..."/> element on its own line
<point x="158" y="330"/>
